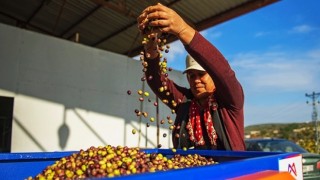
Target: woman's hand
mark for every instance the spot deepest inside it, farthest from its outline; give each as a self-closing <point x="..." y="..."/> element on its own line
<point x="150" y="36"/>
<point x="161" y="18"/>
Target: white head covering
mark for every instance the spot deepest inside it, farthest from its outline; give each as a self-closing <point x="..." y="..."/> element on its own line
<point x="192" y="64"/>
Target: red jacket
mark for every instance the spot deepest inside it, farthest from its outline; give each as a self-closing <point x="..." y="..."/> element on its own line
<point x="229" y="93"/>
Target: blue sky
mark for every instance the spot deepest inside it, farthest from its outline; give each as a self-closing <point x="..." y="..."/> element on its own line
<point x="275" y="52"/>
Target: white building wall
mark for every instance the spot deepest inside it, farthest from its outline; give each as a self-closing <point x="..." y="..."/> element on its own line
<point x="68" y="96"/>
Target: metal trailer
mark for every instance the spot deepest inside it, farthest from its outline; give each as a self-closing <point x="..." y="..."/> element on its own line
<point x="231" y="164"/>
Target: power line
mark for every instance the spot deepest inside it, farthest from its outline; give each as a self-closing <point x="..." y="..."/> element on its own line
<point x="314" y="97"/>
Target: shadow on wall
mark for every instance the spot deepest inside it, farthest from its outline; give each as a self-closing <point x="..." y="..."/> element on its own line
<point x="63" y="132"/>
<point x="107" y="101"/>
<point x="27" y="133"/>
<point x="74" y="76"/>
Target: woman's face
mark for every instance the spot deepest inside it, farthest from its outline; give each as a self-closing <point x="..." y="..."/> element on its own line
<point x="201" y="83"/>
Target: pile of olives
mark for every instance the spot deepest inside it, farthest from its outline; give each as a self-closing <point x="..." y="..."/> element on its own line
<point x="111" y="161"/>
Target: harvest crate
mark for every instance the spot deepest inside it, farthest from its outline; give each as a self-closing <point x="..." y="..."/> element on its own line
<point x="232" y="164"/>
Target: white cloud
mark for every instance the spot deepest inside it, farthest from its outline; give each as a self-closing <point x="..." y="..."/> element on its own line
<point x="211" y="34"/>
<point x="314" y="54"/>
<point x="204" y="33"/>
<point x="275" y="83"/>
<point x="176" y="49"/>
<point x="215" y="35"/>
<point x="301" y="29"/>
<point x="260" y="34"/>
<point x="278" y="71"/>
<point x="283" y="112"/>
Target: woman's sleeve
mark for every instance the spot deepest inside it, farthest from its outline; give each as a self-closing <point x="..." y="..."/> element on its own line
<point x="228" y="89"/>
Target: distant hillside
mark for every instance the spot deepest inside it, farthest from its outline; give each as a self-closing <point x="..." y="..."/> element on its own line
<point x="276" y="126"/>
<point x="302" y="133"/>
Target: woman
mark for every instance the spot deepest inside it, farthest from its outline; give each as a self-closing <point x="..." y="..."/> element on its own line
<point x="209" y="114"/>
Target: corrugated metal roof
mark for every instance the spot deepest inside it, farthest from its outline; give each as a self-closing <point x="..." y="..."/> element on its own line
<point x="111" y="24"/>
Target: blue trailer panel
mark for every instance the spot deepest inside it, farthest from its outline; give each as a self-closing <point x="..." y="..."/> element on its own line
<point x="231" y="164"/>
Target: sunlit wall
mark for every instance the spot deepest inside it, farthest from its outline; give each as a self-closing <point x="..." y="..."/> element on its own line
<point x="68" y="96"/>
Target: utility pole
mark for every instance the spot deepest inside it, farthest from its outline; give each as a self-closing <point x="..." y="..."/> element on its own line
<point x="314" y="97"/>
